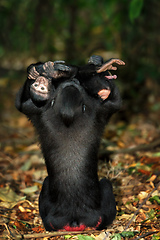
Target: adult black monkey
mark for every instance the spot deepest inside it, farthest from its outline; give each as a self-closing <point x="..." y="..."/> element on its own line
<point x="69" y="115"/>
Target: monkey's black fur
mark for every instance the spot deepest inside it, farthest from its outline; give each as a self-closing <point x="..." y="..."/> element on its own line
<point x="70" y="124"/>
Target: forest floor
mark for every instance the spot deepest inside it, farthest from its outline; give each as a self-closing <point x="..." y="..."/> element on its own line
<point x="129" y="157"/>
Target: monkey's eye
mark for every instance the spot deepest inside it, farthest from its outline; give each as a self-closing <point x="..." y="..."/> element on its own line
<point x="83" y="108"/>
<point x="52" y="102"/>
<point x="76" y="81"/>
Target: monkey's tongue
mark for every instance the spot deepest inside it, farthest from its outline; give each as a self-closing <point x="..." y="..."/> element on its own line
<point x="111" y="77"/>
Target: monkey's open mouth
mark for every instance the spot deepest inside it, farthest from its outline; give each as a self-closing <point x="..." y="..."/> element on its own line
<point x="42" y="94"/>
<point x="111" y="77"/>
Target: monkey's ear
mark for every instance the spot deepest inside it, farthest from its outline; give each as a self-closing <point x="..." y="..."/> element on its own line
<point x="104" y="93"/>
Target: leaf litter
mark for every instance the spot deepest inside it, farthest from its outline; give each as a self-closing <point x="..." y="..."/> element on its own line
<point x="127" y="156"/>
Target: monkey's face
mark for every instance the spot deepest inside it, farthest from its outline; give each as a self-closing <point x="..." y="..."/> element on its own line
<point x="40" y="89"/>
<point x="70" y="101"/>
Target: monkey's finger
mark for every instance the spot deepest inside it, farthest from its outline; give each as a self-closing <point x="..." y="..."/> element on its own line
<point x="55" y="66"/>
<point x="48" y="66"/>
<point x="112" y="68"/>
<point x="61" y="67"/>
<point x="104" y="68"/>
<point x="59" y="61"/>
<point x="111" y="77"/>
<point x="33" y="74"/>
<point x="118" y="61"/>
<point x="108" y="65"/>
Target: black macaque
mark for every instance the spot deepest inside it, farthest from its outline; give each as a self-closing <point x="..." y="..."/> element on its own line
<point x="69" y="107"/>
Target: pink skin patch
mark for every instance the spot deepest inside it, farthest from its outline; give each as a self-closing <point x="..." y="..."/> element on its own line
<point x="111" y="77"/>
<point x="51" y="226"/>
<point x="99" y="222"/>
<point x="71" y="229"/>
<point x="104" y="93"/>
<point x="81" y="227"/>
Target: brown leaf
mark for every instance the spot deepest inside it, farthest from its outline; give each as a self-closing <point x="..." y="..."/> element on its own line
<point x="8" y="196"/>
<point x="144" y="172"/>
<point x="19" y="225"/>
<point x="25" y="214"/>
<point x="38" y="229"/>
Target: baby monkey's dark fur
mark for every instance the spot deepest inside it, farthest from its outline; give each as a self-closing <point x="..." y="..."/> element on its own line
<point x="69" y="107"/>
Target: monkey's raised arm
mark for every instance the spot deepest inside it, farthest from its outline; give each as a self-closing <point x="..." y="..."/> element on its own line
<point x="96" y="78"/>
<point x="42" y="76"/>
<point x="96" y="65"/>
<point x="40" y="84"/>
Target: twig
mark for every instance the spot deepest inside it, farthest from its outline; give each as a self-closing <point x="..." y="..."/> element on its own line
<point x="145" y="235"/>
<point x="18" y="220"/>
<point x="141" y="147"/>
<point x="141" y="206"/>
<point x="52" y="234"/>
<point x="9" y="231"/>
<point x="18" y="141"/>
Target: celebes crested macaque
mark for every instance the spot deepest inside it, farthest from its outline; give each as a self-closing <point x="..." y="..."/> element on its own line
<point x="69" y="107"/>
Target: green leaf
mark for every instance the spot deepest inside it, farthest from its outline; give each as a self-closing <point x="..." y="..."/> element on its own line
<point x="155" y="107"/>
<point x="155" y="198"/>
<point x="135" y="9"/>
<point x="129" y="233"/>
<point x="150" y="214"/>
<point x="27" y="165"/>
<point x="67" y="236"/>
<point x="156" y="236"/>
<point x="30" y="190"/>
<point x="81" y="237"/>
<point x="156" y="154"/>
<point x="116" y="236"/>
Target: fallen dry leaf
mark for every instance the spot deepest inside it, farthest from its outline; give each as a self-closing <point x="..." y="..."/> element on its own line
<point x="9" y="198"/>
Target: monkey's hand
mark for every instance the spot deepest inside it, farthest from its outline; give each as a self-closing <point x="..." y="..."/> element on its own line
<point x="108" y="65"/>
<point x="59" y="66"/>
<point x="58" y="69"/>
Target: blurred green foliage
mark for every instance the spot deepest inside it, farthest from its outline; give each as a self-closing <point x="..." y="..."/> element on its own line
<point x="135" y="9"/>
<point x="73" y="30"/>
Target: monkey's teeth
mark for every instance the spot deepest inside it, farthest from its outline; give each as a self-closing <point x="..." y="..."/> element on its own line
<point x="111" y="77"/>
